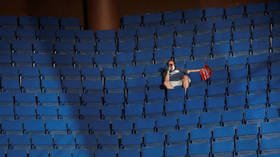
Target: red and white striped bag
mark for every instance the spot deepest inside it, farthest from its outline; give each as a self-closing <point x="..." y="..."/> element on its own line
<point x="206" y="72"/>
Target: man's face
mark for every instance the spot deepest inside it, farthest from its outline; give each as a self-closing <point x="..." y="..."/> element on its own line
<point x="171" y="65"/>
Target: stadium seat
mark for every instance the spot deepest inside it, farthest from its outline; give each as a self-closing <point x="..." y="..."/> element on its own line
<point x="202" y="149"/>
<point x="129" y="152"/>
<point x="64" y="141"/>
<point x="131" y="141"/>
<point x="70" y="23"/>
<point x="188" y="121"/>
<point x="223" y="133"/>
<point x="175" y="150"/>
<point x="223" y="148"/>
<point x="200" y="135"/>
<point x="105" y="152"/>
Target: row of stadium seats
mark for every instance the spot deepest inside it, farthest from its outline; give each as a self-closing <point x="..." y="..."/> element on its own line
<point x="43" y="22"/>
<point x="199" y="15"/>
<point x="224" y="141"/>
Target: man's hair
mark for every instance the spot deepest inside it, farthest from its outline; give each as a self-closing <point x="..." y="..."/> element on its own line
<point x="170" y="60"/>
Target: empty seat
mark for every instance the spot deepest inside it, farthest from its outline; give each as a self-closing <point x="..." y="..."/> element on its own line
<point x="131" y="141"/>
<point x="108" y="141"/>
<point x="56" y="126"/>
<point x="64" y="141"/>
<point x="199" y="149"/>
<point x="42" y="141"/>
<point x="129" y="152"/>
<point x="175" y="150"/>
<point x="223" y="133"/>
<point x="84" y="36"/>
<point x="232" y="117"/>
<point x="34" y="126"/>
<point x="86" y="141"/>
<point x="70" y="23"/>
<point x="202" y="134"/>
<point x="247" y="146"/>
<point x="122" y="126"/>
<point x="152" y="151"/>
<point x="223" y="148"/>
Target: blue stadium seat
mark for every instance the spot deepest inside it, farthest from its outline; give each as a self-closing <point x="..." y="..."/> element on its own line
<point x="82" y="152"/>
<point x="152" y="151"/>
<point x="127" y="45"/>
<point x="6" y="60"/>
<point x="78" y="126"/>
<point x="154" y="109"/>
<point x="232" y="117"/>
<point x="194" y="14"/>
<point x="34" y="126"/>
<point x="210" y="118"/>
<point x="214" y="13"/>
<point x="136" y="96"/>
<point x="131" y="141"/>
<point x="237" y="87"/>
<point x="72" y="86"/>
<point x="106" y="47"/>
<point x="162" y="55"/>
<point x="112" y="112"/>
<point x="86" y="141"/>
<point x="42" y="141"/>
<point x="28" y="22"/>
<point x="70" y="23"/>
<point x="56" y="126"/>
<point x="49" y="112"/>
<point x="21" y="60"/>
<point x="177" y="94"/>
<point x="172" y="17"/>
<point x="166" y="123"/>
<point x="124" y="59"/>
<point x="155" y="93"/>
<point x="100" y="127"/>
<point x="152" y="19"/>
<point x="6" y="34"/>
<point x="254" y="115"/>
<point x="270" y="145"/>
<point x="134" y="72"/>
<point x="247" y="146"/>
<point x="152" y="139"/>
<point x="146" y="33"/>
<point x="257" y="86"/>
<point x="255" y="8"/>
<point x="188" y="121"/>
<point x="8" y="21"/>
<point x="203" y="27"/>
<point x="216" y="88"/>
<point x="16" y="153"/>
<point x="129" y="152"/>
<point x="90" y="112"/>
<point x="46" y="35"/>
<point x="221" y="49"/>
<point x="131" y="20"/>
<point x="19" y="141"/>
<point x="104" y="60"/>
<point x="197" y="103"/>
<point x="184" y="42"/>
<point x="64" y="141"/>
<point x="108" y="141"/>
<point x="223" y="148"/>
<point x="42" y="47"/>
<point x="114" y="98"/>
<point x="64" y="48"/>
<point x="247" y="131"/>
<point x="220" y="75"/>
<point x="176" y="137"/>
<point x="92" y="98"/>
<point x="38" y="153"/>
<point x="49" y="22"/>
<point x="47" y="98"/>
<point x="272" y="113"/>
<point x="122" y="126"/>
<point x="175" y="150"/>
<point x="26" y="34"/>
<point x="202" y="149"/>
<point x="68" y="112"/>
<point x="223" y="133"/>
<point x="8" y="112"/>
<point x="197" y="90"/>
<point x="85" y="47"/>
<point x="257" y="100"/>
<point x="199" y="135"/>
<point x="58" y="153"/>
<point x="126" y="35"/>
<point x="83" y="61"/>
<point x="174" y="107"/>
<point x="84" y="36"/>
<point x="236" y="101"/>
<point x="6" y="99"/>
<point x="135" y="110"/>
<point x="144" y="125"/>
<point x="216" y="103"/>
<point x="270" y="129"/>
<point x="25" y="112"/>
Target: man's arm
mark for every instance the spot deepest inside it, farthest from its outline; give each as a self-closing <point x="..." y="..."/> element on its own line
<point x="193" y="70"/>
<point x="166" y="78"/>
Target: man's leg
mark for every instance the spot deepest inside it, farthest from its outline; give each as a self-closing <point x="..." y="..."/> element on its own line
<point x="168" y="85"/>
<point x="186" y="83"/>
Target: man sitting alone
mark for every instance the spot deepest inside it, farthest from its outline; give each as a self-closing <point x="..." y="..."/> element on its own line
<point x="176" y="77"/>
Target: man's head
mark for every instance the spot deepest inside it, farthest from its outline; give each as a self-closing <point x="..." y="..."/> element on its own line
<point x="171" y="64"/>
